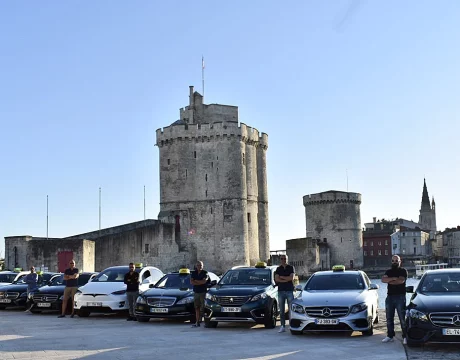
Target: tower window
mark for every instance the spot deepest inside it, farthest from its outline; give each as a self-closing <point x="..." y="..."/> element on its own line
<point x="211" y="210"/>
<point x="194" y="154"/>
<point x="212" y="165"/>
<point x="206" y="177"/>
<point x="169" y="161"/>
<point x="206" y="193"/>
<point x="217" y="158"/>
<point x="244" y="160"/>
<point x="146" y="248"/>
<point x="249" y="217"/>
<point x="186" y="173"/>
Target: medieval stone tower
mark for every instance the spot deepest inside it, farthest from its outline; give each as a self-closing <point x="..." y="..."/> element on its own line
<point x="427" y="216"/>
<point x="334" y="218"/>
<point x="213" y="186"/>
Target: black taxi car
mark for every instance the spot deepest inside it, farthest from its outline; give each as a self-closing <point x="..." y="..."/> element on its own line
<point x="433" y="313"/>
<point x="171" y="297"/>
<point x="49" y="297"/>
<point x="244" y="294"/>
<point x="15" y="294"/>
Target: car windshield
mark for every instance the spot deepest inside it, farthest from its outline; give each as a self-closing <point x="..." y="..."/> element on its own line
<point x="335" y="282"/>
<point x="7" y="278"/>
<point x="174" y="281"/>
<point x="247" y="277"/>
<point x="445" y="282"/>
<point x="58" y="280"/>
<point x="112" y="274"/>
<point x="20" y="280"/>
<point x="83" y="279"/>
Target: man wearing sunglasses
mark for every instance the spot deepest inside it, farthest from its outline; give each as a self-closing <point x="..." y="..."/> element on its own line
<point x="396" y="297"/>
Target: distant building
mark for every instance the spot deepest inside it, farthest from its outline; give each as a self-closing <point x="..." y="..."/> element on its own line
<point x="451" y="246"/>
<point x="377" y="249"/>
<point x="427" y="218"/>
<point x="411" y="243"/>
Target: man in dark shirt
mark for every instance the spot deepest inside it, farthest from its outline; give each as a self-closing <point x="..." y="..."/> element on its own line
<point x="31" y="280"/>
<point x="71" y="286"/>
<point x="132" y="290"/>
<point x="396" y="297"/>
<point x="199" y="279"/>
<point x="284" y="278"/>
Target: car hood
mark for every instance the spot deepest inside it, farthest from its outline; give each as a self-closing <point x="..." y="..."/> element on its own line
<point x="237" y="290"/>
<point x="57" y="289"/>
<point x="102" y="287"/>
<point x="332" y="297"/>
<point x="168" y="292"/>
<point x="436" y="302"/>
<point x="4" y="283"/>
<point x="14" y="287"/>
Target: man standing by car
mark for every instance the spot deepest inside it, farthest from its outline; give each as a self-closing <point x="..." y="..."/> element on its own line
<point x="396" y="298"/>
<point x="284" y="278"/>
<point x="132" y="290"/>
<point x="71" y="286"/>
<point x="199" y="279"/>
<point x="32" y="284"/>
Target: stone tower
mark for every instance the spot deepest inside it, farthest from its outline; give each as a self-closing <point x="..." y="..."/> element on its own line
<point x="213" y="185"/>
<point x="427" y="216"/>
<point x="334" y="218"/>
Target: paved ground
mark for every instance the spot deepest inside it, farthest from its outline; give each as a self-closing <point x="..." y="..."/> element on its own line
<point x="44" y="336"/>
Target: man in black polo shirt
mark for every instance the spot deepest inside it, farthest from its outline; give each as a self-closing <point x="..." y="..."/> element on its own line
<point x="396" y="298"/>
<point x="71" y="286"/>
<point x="199" y="279"/>
<point x="132" y="290"/>
<point x="284" y="278"/>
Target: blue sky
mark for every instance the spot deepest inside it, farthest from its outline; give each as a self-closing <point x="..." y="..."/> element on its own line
<point x="368" y="86"/>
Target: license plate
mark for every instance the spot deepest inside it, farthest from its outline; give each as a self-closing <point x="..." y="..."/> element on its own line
<point x="326" y="321"/>
<point x="44" y="304"/>
<point x="158" y="310"/>
<point x="231" y="309"/>
<point x="451" y="331"/>
<point x="94" y="304"/>
<point x="5" y="301"/>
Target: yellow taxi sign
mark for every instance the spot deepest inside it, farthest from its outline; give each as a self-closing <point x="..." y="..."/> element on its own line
<point x="261" y="264"/>
<point x="184" y="271"/>
<point x="138" y="265"/>
<point x="40" y="272"/>
<point x="338" y="268"/>
<point x="17" y="269"/>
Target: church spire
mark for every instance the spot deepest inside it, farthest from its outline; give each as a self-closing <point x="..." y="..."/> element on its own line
<point x="425" y="198"/>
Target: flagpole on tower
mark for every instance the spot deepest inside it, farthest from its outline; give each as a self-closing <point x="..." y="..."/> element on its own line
<point x="202" y="74"/>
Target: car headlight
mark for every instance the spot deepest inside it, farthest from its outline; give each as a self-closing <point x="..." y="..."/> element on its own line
<point x="210" y="297"/>
<point x="418" y="315"/>
<point x="30" y="296"/>
<point x="78" y="293"/>
<point x="358" y="308"/>
<point x="297" y="308"/>
<point x="61" y="298"/>
<point x="141" y="300"/>
<point x="259" y="296"/>
<point x="23" y="295"/>
<point x="186" y="300"/>
<point x="119" y="292"/>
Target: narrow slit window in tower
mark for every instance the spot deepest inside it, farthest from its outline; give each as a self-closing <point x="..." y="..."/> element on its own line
<point x="206" y="193"/>
<point x="211" y="210"/>
<point x="194" y="154"/>
<point x="169" y="161"/>
<point x="244" y="160"/>
<point x="212" y="164"/>
<point x="249" y="217"/>
<point x="206" y="177"/>
<point x="186" y="173"/>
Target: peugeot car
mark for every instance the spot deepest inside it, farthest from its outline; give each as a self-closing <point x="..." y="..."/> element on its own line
<point x="433" y="313"/>
<point x="336" y="300"/>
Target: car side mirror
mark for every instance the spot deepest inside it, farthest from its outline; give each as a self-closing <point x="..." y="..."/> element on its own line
<point x="409" y="289"/>
<point x="213" y="283"/>
<point x="298" y="288"/>
<point x="151" y="286"/>
<point x="373" y="287"/>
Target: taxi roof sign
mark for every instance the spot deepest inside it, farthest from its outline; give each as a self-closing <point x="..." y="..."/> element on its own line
<point x="17" y="269"/>
<point x="138" y="265"/>
<point x="184" y="271"/>
<point x="261" y="264"/>
<point x="338" y="268"/>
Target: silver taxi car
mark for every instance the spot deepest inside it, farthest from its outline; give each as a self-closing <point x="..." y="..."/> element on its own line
<point x="336" y="300"/>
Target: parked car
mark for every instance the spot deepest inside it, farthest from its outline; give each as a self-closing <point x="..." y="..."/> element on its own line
<point x="107" y="291"/>
<point x="50" y="296"/>
<point x="8" y="277"/>
<point x="15" y="294"/>
<point x="170" y="297"/>
<point x="244" y="294"/>
<point x="336" y="300"/>
<point x="433" y="313"/>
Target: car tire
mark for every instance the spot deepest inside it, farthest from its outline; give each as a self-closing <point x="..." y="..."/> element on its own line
<point x="83" y="313"/>
<point x="210" y="324"/>
<point x="142" y="319"/>
<point x="370" y="331"/>
<point x="270" y="316"/>
<point x="295" y="332"/>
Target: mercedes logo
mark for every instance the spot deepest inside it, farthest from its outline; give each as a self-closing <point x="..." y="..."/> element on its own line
<point x="231" y="300"/>
<point x="456" y="320"/>
<point x="326" y="312"/>
<point x="45" y="298"/>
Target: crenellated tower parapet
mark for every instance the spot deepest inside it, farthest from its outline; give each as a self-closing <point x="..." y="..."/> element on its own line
<point x="330" y="197"/>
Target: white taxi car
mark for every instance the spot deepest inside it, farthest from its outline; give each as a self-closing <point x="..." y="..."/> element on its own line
<point x="107" y="291"/>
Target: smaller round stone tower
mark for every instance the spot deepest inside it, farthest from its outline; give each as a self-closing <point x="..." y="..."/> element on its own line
<point x="334" y="218"/>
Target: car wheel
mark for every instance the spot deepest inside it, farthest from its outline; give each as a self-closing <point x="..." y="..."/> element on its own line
<point x="270" y="317"/>
<point x="370" y="331"/>
<point x="295" y="332"/>
<point x="142" y="319"/>
<point x="210" y="324"/>
<point x="83" y="313"/>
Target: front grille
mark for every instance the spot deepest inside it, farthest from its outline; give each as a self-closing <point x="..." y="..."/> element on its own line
<point x="231" y="300"/>
<point x="445" y="319"/>
<point x="45" y="298"/>
<point x="326" y="311"/>
<point x="161" y="301"/>
<point x="11" y="295"/>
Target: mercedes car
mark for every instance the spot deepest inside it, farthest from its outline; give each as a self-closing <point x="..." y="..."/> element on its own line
<point x="244" y="294"/>
<point x="433" y="313"/>
<point x="337" y="300"/>
<point x="170" y="298"/>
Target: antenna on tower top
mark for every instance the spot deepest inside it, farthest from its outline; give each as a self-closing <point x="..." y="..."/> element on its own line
<point x="202" y="75"/>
